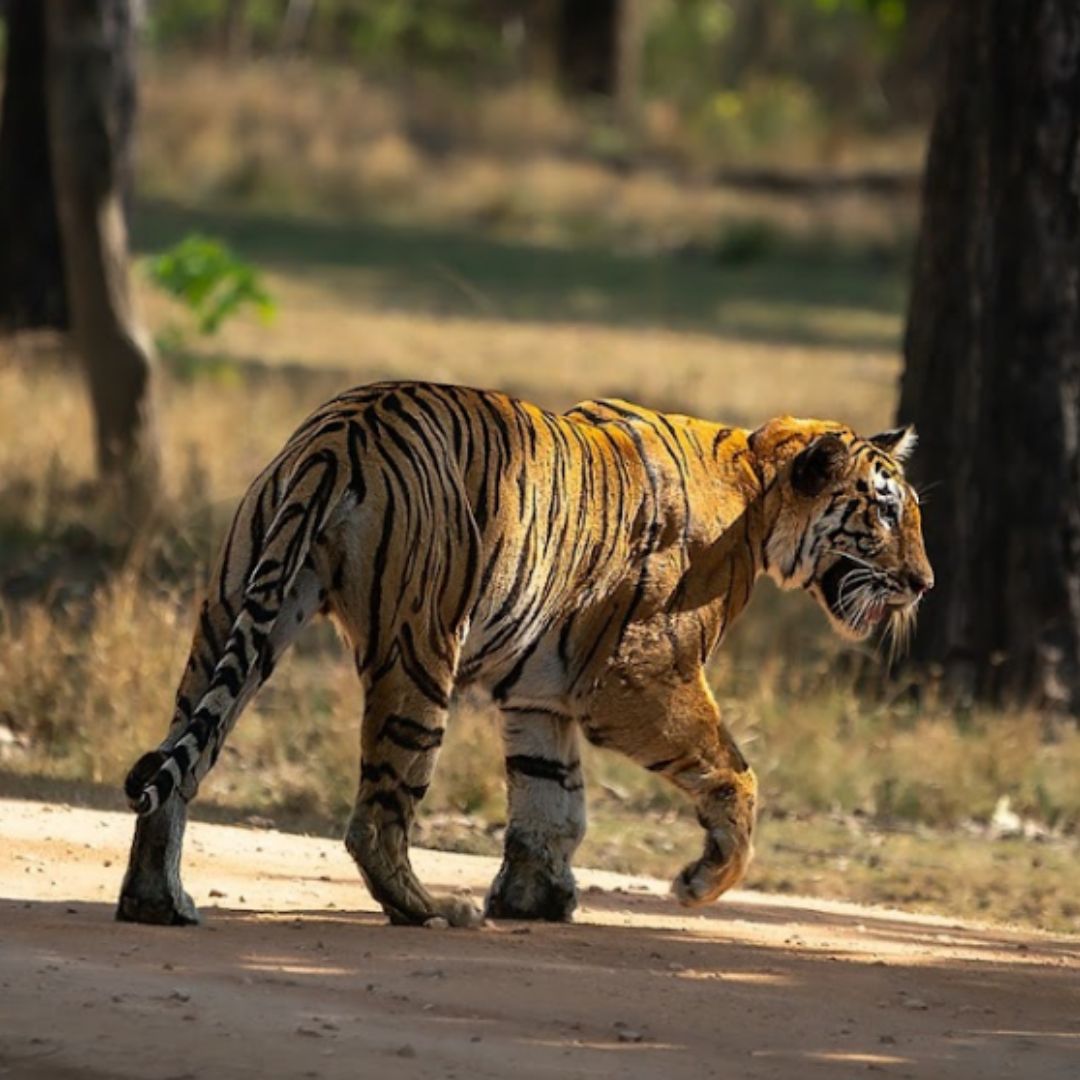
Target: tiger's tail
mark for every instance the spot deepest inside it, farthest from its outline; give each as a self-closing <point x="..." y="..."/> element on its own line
<point x="312" y="498"/>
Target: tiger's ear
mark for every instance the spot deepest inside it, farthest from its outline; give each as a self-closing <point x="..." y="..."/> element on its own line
<point x="899" y="443"/>
<point x="821" y="464"/>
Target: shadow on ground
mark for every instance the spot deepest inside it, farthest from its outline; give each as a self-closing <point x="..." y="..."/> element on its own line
<point x="308" y="990"/>
<point x="791" y="293"/>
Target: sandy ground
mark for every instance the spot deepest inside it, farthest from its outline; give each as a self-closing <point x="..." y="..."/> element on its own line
<point x="294" y="974"/>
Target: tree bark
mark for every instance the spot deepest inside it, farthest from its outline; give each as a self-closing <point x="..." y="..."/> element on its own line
<point x="91" y="98"/>
<point x="235" y="31"/>
<point x="294" y="25"/>
<point x="32" y="291"/>
<point x="993" y="355"/>
<point x="587" y="46"/>
<point x="632" y="23"/>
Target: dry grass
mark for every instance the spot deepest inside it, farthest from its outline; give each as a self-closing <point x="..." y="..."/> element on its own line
<point x="517" y="162"/>
<point x="556" y="363"/>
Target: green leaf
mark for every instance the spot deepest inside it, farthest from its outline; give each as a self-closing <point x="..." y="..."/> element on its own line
<point x="211" y="282"/>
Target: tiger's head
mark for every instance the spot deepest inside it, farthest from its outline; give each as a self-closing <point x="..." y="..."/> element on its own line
<point x="848" y="528"/>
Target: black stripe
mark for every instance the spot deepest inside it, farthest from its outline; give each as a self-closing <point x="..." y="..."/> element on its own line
<point x="355" y="442"/>
<point x="418" y="672"/>
<point x="720" y="438"/>
<point x="542" y="768"/>
<point x="378" y="571"/>
<point x="540" y="710"/>
<point x="258" y="613"/>
<point x="374" y="773"/>
<point x="506" y="684"/>
<point x="389" y="801"/>
<point x="410" y="734"/>
<point x="660" y="766"/>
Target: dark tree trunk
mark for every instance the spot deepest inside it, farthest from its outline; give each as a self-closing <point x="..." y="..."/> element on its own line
<point x="31" y="268"/>
<point x="598" y="50"/>
<point x="587" y="37"/>
<point x="91" y="98"/>
<point x="908" y="75"/>
<point x="993" y="354"/>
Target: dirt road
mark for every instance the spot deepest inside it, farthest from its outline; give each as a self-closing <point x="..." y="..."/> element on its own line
<point x="293" y="974"/>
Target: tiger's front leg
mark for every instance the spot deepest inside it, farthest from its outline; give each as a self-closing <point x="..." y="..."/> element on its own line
<point x="674" y="729"/>
<point x="547" y="818"/>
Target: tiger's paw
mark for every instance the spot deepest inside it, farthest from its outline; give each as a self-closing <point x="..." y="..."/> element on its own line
<point x="157" y="908"/>
<point x="721" y="868"/>
<point x="446" y="911"/>
<point x="524" y="891"/>
<point x="459" y="911"/>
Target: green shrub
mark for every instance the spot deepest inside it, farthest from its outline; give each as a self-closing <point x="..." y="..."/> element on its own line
<point x="210" y="281"/>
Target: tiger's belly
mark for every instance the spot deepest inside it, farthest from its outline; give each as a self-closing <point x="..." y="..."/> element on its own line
<point x="516" y="669"/>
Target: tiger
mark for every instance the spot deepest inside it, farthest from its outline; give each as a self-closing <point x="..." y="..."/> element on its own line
<point x="578" y="568"/>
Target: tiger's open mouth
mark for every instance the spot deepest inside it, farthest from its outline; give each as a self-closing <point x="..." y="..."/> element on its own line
<point x="857" y="596"/>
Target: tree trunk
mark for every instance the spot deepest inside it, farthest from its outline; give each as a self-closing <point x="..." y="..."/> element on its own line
<point x="632" y="22"/>
<point x="540" y="23"/>
<point x="31" y="268"/>
<point x="993" y="355"/>
<point x="587" y="46"/>
<point x="91" y="92"/>
<point x="235" y="31"/>
<point x="294" y="25"/>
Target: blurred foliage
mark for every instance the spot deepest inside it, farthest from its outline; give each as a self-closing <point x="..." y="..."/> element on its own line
<point x="210" y="281"/>
<point x="200" y="23"/>
<point x="717" y="58"/>
<point x="449" y="35"/>
<point x="384" y="34"/>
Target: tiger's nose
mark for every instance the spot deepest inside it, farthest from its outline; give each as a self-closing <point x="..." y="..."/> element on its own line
<point x="919" y="582"/>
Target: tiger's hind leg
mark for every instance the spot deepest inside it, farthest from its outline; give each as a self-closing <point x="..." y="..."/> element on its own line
<point x="403" y="728"/>
<point x="547" y="818"/>
<point x="152" y="891"/>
